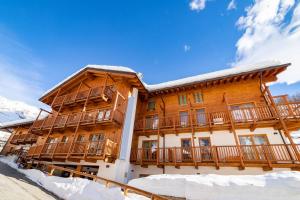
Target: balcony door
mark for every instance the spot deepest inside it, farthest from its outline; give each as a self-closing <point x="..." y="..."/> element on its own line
<point x="50" y="145"/>
<point x="152" y="122"/>
<point x="184" y="118"/>
<point x="200" y="116"/>
<point x="243" y="112"/>
<point x="186" y="149"/>
<point x="252" y="147"/>
<point x="205" y="148"/>
<point x="149" y="150"/>
<point x="96" y="145"/>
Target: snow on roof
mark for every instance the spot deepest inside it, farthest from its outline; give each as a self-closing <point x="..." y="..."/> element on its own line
<point x="99" y="67"/>
<point x="212" y="75"/>
<point x="16" y="123"/>
<point x="179" y="82"/>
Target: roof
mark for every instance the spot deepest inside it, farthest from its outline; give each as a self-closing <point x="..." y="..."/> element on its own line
<point x="107" y="68"/>
<point x="215" y="75"/>
<point x="15" y="123"/>
<point x="179" y="82"/>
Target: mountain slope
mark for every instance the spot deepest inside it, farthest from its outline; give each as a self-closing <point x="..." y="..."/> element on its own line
<point x="11" y="110"/>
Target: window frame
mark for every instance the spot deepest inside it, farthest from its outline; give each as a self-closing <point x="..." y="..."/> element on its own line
<point x="151" y="101"/>
<point x="186" y="99"/>
<point x="195" y="94"/>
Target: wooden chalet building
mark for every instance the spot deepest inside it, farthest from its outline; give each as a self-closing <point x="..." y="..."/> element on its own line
<point x="19" y="138"/>
<point x="107" y="120"/>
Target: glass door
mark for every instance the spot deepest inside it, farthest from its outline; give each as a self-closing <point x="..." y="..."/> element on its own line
<point x="252" y="146"/>
<point x="149" y="150"/>
<point x="205" y="148"/>
<point x="200" y="116"/>
<point x="186" y="149"/>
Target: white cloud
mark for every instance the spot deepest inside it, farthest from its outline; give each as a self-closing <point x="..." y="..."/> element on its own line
<point x="231" y="5"/>
<point x="19" y="77"/>
<point x="186" y="48"/>
<point x="197" y="4"/>
<point x="270" y="34"/>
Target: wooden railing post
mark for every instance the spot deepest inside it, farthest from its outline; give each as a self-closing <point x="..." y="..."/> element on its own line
<point x="286" y="131"/>
<point x="234" y="133"/>
<point x="267" y="156"/>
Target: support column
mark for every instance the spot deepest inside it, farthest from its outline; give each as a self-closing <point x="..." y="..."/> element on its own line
<point x="122" y="164"/>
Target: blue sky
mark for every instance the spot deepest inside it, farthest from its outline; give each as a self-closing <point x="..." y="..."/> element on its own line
<point x="45" y="41"/>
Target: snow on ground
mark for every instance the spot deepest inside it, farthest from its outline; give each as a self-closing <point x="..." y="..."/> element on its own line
<point x="72" y="188"/>
<point x="272" y="186"/>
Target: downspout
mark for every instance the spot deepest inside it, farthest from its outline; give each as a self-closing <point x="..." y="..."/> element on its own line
<point x="285" y="144"/>
<point x="164" y="139"/>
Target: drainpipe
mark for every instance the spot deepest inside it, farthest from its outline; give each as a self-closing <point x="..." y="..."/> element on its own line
<point x="285" y="144"/>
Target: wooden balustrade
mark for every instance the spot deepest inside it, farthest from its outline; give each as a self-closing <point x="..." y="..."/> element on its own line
<point x="92" y="117"/>
<point x="80" y="150"/>
<point x="23" y="139"/>
<point x="251" y="154"/>
<point x="242" y="116"/>
<point x="81" y="96"/>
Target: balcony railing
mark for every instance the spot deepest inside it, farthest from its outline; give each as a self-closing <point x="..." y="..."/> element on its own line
<point x="24" y="139"/>
<point x="215" y="119"/>
<point x="81" y="96"/>
<point x="79" y="150"/>
<point x="94" y="117"/>
<point x="251" y="154"/>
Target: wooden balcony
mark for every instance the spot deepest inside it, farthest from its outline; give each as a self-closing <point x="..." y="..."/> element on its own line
<point x="90" y="151"/>
<point x="92" y="94"/>
<point x="268" y="156"/>
<point x="24" y="139"/>
<point x="89" y="118"/>
<point x="242" y="118"/>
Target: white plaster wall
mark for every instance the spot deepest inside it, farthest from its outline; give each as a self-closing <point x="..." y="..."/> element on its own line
<point x="106" y="170"/>
<point x="136" y="170"/>
<point x="188" y="170"/>
<point x="218" y="138"/>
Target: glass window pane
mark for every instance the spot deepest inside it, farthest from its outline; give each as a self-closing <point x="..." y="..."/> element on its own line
<point x="245" y="140"/>
<point x="204" y="142"/>
<point x="201" y="118"/>
<point x="259" y="140"/>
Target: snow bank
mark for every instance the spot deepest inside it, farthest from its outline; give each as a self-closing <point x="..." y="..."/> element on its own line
<point x="273" y="186"/>
<point x="72" y="188"/>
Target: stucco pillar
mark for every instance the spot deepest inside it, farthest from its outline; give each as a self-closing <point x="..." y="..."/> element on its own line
<point x="123" y="163"/>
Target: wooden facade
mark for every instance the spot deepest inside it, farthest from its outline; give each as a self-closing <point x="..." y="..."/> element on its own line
<point x="229" y="103"/>
<point x="86" y="119"/>
<point x="88" y="110"/>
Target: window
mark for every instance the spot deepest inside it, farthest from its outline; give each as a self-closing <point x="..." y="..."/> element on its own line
<point x="151" y="105"/>
<point x="252" y="149"/>
<point x="204" y="141"/>
<point x="107" y="115"/>
<point x="243" y="112"/>
<point x="182" y="99"/>
<point x="149" y="144"/>
<point x="253" y="139"/>
<point x="96" y="137"/>
<point x="198" y="97"/>
<point x="149" y="149"/>
<point x="186" y="149"/>
<point x="64" y="139"/>
<point x="96" y="145"/>
<point x="152" y="122"/>
<point x="201" y="118"/>
<point x="80" y="138"/>
<point x="205" y="148"/>
<point x="184" y="118"/>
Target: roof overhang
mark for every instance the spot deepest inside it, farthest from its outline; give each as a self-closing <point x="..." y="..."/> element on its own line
<point x="132" y="77"/>
<point x="267" y="73"/>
